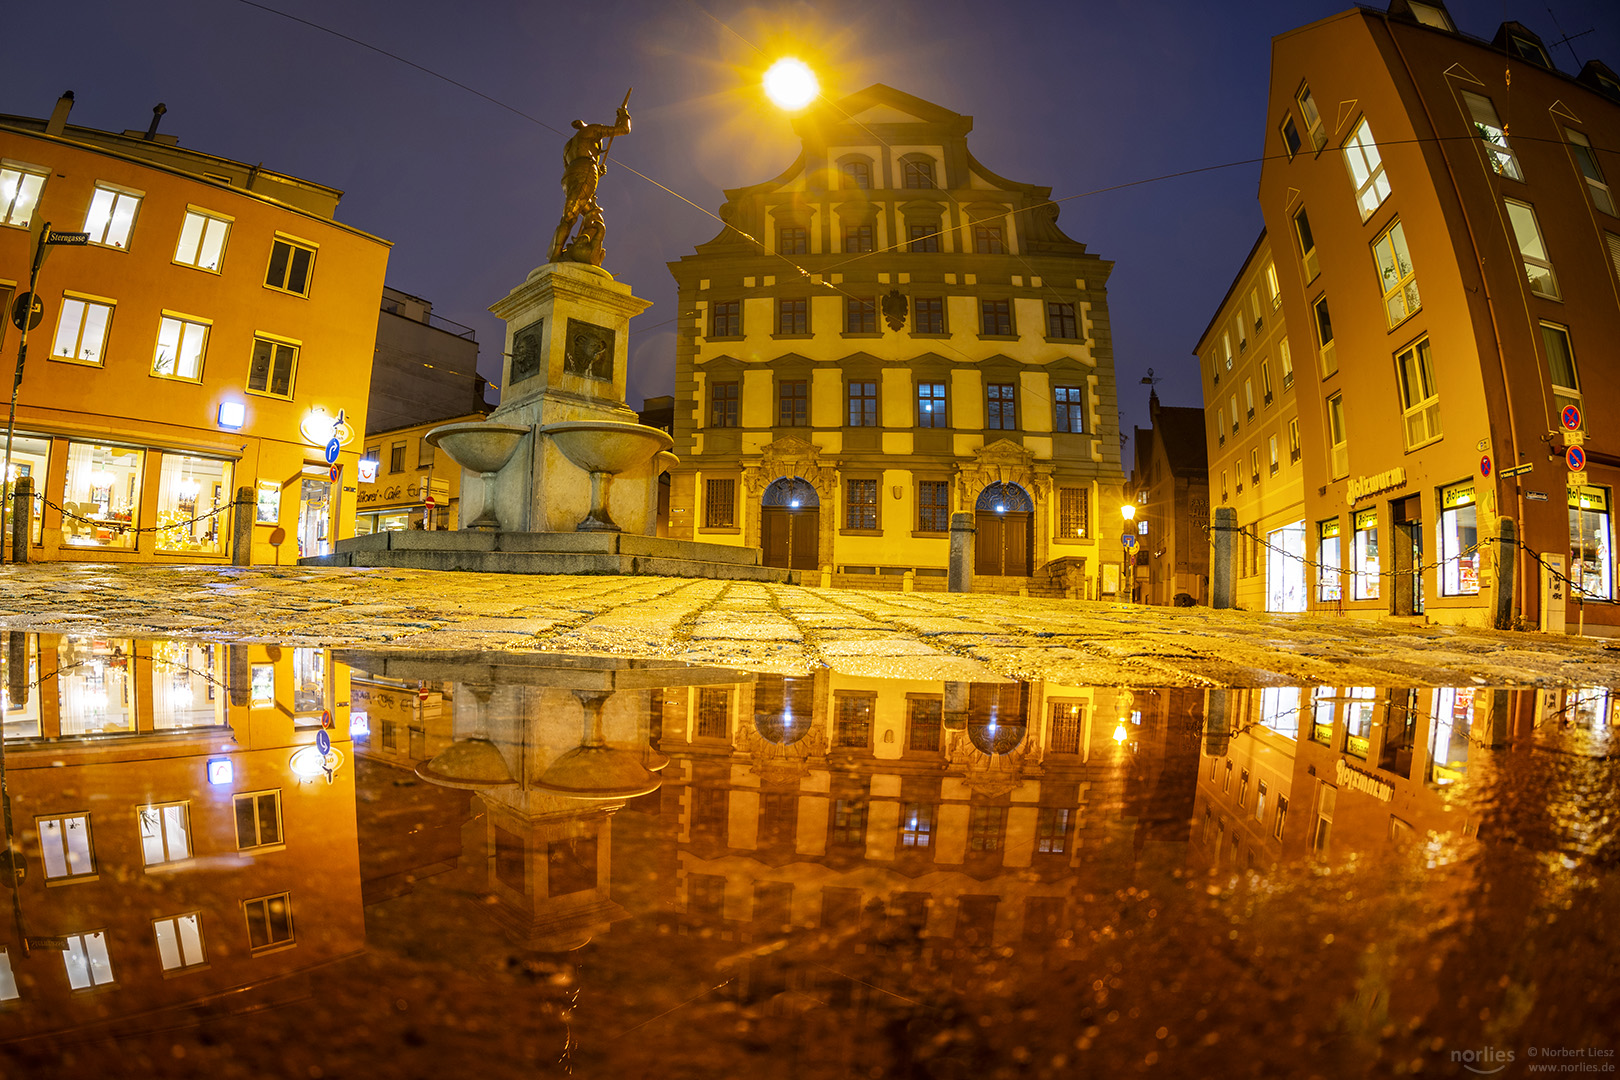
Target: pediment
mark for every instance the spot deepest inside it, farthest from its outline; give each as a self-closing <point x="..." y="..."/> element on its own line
<point x="887" y="114"/>
<point x="1004" y="451"/>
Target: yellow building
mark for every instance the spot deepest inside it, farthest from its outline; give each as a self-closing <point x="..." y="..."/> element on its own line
<point x="884" y="335"/>
<point x="206" y="339"/>
<point x="400" y="472"/>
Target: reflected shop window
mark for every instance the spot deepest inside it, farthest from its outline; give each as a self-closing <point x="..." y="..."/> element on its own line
<point x="97" y="691"/>
<point x="189" y="490"/>
<point x="29" y="457"/>
<point x="19" y="693"/>
<point x="102" y="501"/>
<point x="186" y="691"/>
<point x="309" y="686"/>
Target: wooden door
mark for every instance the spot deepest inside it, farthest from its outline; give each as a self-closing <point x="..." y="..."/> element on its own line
<point x="804" y="537"/>
<point x="775" y="534"/>
<point x="1002" y="545"/>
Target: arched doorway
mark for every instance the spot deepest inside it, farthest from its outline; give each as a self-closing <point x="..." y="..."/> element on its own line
<point x="1004" y="543"/>
<point x="790" y="524"/>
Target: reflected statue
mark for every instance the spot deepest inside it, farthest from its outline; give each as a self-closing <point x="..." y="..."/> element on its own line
<point x="584" y="163"/>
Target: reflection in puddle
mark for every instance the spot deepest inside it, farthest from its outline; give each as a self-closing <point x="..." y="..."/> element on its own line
<point x="594" y="864"/>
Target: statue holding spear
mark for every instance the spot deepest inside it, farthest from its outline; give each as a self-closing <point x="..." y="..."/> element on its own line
<point x="584" y="163"/>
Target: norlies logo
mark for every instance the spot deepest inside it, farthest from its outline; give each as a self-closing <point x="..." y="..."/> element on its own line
<point x="1487" y="1061"/>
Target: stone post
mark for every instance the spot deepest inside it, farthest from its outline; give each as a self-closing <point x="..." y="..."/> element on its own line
<point x="826" y="577"/>
<point x="961" y="572"/>
<point x="242" y="512"/>
<point x="17" y="668"/>
<point x="241" y="675"/>
<point x="1222" y="536"/>
<point x="908" y="580"/>
<point x="22" y="518"/>
<point x="1507" y="551"/>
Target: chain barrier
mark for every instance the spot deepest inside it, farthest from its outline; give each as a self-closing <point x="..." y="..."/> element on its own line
<point x="10" y="496"/>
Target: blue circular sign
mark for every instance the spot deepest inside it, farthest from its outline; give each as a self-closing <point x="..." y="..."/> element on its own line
<point x="1571" y="417"/>
<point x="1575" y="458"/>
<point x="323" y="742"/>
<point x="332" y="449"/>
<point x="1485" y="465"/>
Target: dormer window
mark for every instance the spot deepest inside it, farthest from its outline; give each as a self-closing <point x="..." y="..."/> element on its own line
<point x="1530" y="50"/>
<point x="1431" y="15"/>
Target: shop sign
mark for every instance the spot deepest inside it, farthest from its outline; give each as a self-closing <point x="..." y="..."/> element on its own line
<point x="1388" y="480"/>
<point x="319" y="427"/>
<point x="1353" y="778"/>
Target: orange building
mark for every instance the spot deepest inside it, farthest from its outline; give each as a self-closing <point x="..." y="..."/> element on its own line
<point x="206" y="338"/>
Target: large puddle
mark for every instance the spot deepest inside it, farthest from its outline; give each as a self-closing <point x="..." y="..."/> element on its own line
<point x="250" y="860"/>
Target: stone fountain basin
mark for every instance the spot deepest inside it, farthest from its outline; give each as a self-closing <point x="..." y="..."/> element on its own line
<point x="478" y="444"/>
<point x="606" y="446"/>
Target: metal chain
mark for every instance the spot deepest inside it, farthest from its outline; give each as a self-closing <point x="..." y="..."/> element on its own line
<point x="11" y="496"/>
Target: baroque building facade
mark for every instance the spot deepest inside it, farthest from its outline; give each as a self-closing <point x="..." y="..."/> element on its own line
<point x="884" y="335"/>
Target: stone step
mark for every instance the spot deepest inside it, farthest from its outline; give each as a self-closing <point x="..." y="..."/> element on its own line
<point x="587" y="563"/>
<point x="584" y="543"/>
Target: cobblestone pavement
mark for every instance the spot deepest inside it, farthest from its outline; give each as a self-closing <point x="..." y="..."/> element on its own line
<point x="784" y="628"/>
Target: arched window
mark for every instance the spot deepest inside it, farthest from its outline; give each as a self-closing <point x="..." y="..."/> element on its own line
<point x="792" y="493"/>
<point x="1004" y="499"/>
<point x="857" y="173"/>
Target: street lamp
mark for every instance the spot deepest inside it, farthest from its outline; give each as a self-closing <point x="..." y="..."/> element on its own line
<point x="1128" y="541"/>
<point x="791" y="84"/>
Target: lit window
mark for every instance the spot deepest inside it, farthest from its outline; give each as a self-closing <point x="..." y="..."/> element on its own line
<point x="1324" y="337"/>
<point x="1537" y="268"/>
<point x="65" y="847"/>
<point x="19" y="194"/>
<point x="1459" y="541"/>
<point x="1488" y="126"/>
<point x="1254" y="466"/>
<point x="1074" y="506"/>
<point x="714" y="713"/>
<point x="917" y="825"/>
<point x="86" y="959"/>
<point x="8" y="978"/>
<point x="81" y="330"/>
<point x="1586" y="158"/>
<point x="1070" y="406"/>
<point x="1254" y="309"/>
<point x="1273" y="288"/>
<point x="1225" y="489"/>
<point x="181" y="343"/>
<point x="1233" y="402"/>
<point x="289" y="269"/>
<point x="1001" y="407"/>
<point x="1220" y="424"/>
<point x="1366" y="170"/>
<point x="1052" y="829"/>
<point x="1312" y="118"/>
<point x="1328" y="564"/>
<point x="179" y="941"/>
<point x="269" y="921"/>
<point x="1282" y="800"/>
<point x="165" y="833"/>
<point x="933" y="508"/>
<point x="1428" y="15"/>
<point x="1276" y="462"/>
<point x="112" y="216"/>
<point x="1248" y="396"/>
<point x="1286" y="356"/>
<point x="1338" y="449"/>
<point x="104" y="483"/>
<point x="1364" y="560"/>
<point x="202" y="240"/>
<point x="1591" y="547"/>
<point x="1566" y="381"/>
<point x="1395" y="274"/>
<point x="1226" y="347"/>
<point x="1265" y="382"/>
<point x="1420" y="398"/>
<point x="272" y="367"/>
<point x="258" y="820"/>
<point x="852" y="719"/>
<point x="986" y="825"/>
<point x="931" y="405"/>
<point x="1293" y="440"/>
<point x="1307" y="246"/>
<point x="723" y="405"/>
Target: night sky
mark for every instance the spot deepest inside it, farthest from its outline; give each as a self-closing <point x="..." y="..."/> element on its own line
<point x="1078" y="96"/>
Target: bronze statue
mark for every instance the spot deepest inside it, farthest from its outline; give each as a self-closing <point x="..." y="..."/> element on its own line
<point x="583" y="165"/>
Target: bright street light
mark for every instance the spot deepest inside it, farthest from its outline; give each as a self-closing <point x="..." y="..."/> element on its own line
<point x="791" y="84"/>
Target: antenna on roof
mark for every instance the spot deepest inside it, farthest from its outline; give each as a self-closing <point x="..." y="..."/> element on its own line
<point x="1567" y="38"/>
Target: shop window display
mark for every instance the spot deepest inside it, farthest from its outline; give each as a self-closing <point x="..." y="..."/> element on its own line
<point x="194" y="497"/>
<point x="102" y="503"/>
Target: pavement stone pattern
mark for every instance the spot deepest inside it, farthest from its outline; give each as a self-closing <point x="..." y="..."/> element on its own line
<point x="785" y="629"/>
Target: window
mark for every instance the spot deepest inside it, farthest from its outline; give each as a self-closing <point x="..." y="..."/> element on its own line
<point x="1395" y="274"/>
<point x="863" y="403"/>
<point x="104" y="482"/>
<point x="81" y="330"/>
<point x="857" y="174"/>
<point x="793" y="403"/>
<point x="1052" y="829"/>
<point x="1276" y="462"/>
<point x="860" y="315"/>
<point x="1260" y="801"/>
<point x="925" y="716"/>
<point x="1329" y="562"/>
<point x="1226" y="347"/>
<point x="88" y="964"/>
<point x="202" y="240"/>
<point x="861" y="511"/>
<point x="987" y="240"/>
<point x="1232" y="400"/>
<point x="917" y="825"/>
<point x="1366" y="170"/>
<point x="179" y="941"/>
<point x="931" y="405"/>
<point x="1537" y="268"/>
<point x="1489" y="128"/>
<point x="289" y="267"/>
<point x="1069" y="402"/>
<point x="1307" y="246"/>
<point x="272" y="367"/>
<point x="1265" y="382"/>
<point x="1254" y="465"/>
<point x="65" y="847"/>
<point x="269" y="921"/>
<point x="1364" y="559"/>
<point x="1060" y="322"/>
<point x="917" y="173"/>
<point x="1273" y="289"/>
<point x="723" y="405"/>
<point x="1242" y="333"/>
<point x="1591" y="543"/>
<point x="852" y="719"/>
<point x="928" y="315"/>
<point x="1220" y="424"/>
<point x="1281" y="818"/>
<point x="923" y="237"/>
<point x="714" y="713"/>
<point x="985" y="827"/>
<point x="1338" y="449"/>
<point x="1293" y="439"/>
<point x="1254" y="309"/>
<point x="719" y="504"/>
<point x="1312" y="118"/>
<point x="1243" y="787"/>
<point x="181" y="343"/>
<point x="1290" y="137"/>
<point x="19" y="194"/>
<point x="793" y="316"/>
<point x="1586" y="158"/>
<point x="1248" y="396"/>
<point x="933" y="506"/>
<point x="793" y="240"/>
<point x="1073" y="517"/>
<point x="1459" y="541"/>
<point x="1566" y="381"/>
<point x="849" y="823"/>
<point x="1420" y="398"/>
<point x="1530" y="50"/>
<point x="725" y="319"/>
<point x="165" y="833"/>
<point x="1224" y="489"/>
<point x="1001" y="412"/>
<point x="112" y="216"/>
<point x="396" y="458"/>
<point x="1285" y="356"/>
<point x="997" y="317"/>
<point x="1226" y="779"/>
<point x="1068" y="718"/>
<point x="1324" y="337"/>
<point x="258" y="820"/>
<point x="857" y="239"/>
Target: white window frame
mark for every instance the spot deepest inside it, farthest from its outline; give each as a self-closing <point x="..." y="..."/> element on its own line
<point x="1562" y="395"/>
<point x="1338" y="445"/>
<point x="1482" y="116"/>
<point x="169" y="825"/>
<point x="186" y="335"/>
<point x="87" y="961"/>
<point x="259" y="844"/>
<point x="204" y="235"/>
<point x="178" y="950"/>
<point x="292" y="927"/>
<point x="1366" y="166"/>
<point x="1312" y="116"/>
<point x="1397" y="277"/>
<point x="103" y="221"/>
<point x="1586" y="160"/>
<point x="80" y="319"/>
<point x="57" y="849"/>
<point x="1420" y="396"/>
<point x="1532" y="248"/>
<point x="18" y="198"/>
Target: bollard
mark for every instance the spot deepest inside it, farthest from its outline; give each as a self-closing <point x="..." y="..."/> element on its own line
<point x="1506" y="559"/>
<point x="240" y="680"/>
<point x="17" y="668"/>
<point x="242" y="528"/>
<point x="22" y="518"/>
<point x="908" y="580"/>
<point x="826" y="577"/>
<point x="1222" y="534"/>
<point x="961" y="572"/>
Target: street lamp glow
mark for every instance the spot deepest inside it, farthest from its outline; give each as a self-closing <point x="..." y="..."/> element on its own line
<point x="791" y="84"/>
<point x="1128" y="512"/>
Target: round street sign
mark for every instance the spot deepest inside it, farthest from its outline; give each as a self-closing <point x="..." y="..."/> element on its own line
<point x="1485" y="465"/>
<point x="336" y="472"/>
<point x="421" y="693"/>
<point x="323" y="742"/>
<point x="429" y="503"/>
<point x="332" y="449"/>
<point x="1571" y="416"/>
<point x="1575" y="458"/>
<point x="32" y="305"/>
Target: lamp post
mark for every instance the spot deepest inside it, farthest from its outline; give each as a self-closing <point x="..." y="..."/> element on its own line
<point x="1128" y="544"/>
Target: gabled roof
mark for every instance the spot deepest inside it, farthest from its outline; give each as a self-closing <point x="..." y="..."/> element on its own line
<point x="1181" y="430"/>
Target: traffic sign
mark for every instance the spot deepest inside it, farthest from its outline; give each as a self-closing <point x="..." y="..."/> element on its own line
<point x="1485" y="465"/>
<point x="30" y="307"/>
<point x="1129" y="540"/>
<point x="323" y="742"/>
<point x="1575" y="458"/>
<point x="336" y="472"/>
<point x="429" y="503"/>
<point x="68" y="239"/>
<point x="1574" y="437"/>
<point x="1571" y="417"/>
<point x="332" y="449"/>
<point x="421" y="693"/>
<point x="1577" y="479"/>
